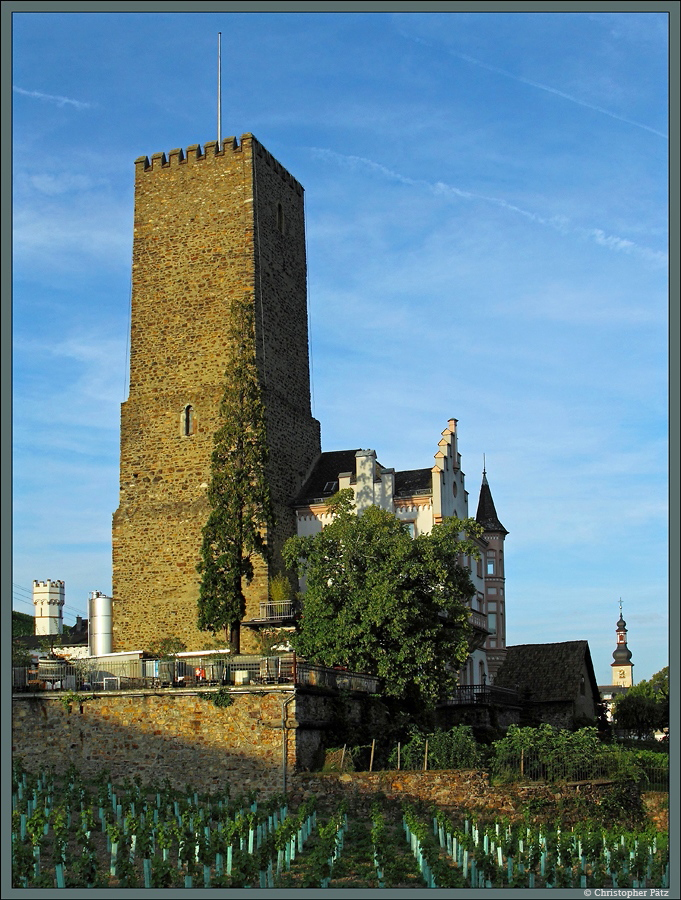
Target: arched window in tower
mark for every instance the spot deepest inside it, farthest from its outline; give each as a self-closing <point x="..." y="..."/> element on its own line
<point x="280" y="218"/>
<point x="188" y="421"/>
<point x="491" y="562"/>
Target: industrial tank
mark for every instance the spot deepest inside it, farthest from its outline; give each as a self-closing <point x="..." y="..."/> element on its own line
<point x="100" y="624"/>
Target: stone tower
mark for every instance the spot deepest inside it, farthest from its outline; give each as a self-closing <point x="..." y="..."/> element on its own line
<point x="495" y="578"/>
<point x="622" y="667"/>
<point x="211" y="226"/>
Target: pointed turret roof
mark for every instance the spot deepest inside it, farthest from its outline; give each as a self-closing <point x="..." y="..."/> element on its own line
<point x="622" y="654"/>
<point x="487" y="514"/>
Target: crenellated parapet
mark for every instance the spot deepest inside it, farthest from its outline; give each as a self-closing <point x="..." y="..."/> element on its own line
<point x="195" y="154"/>
<point x="48" y="599"/>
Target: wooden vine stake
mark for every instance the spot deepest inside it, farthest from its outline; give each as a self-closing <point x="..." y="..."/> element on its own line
<point x="371" y="761"/>
<point x="425" y="757"/>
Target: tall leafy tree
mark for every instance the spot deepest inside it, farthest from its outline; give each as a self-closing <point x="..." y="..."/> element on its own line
<point x="380" y="602"/>
<point x="240" y="503"/>
<point x="644" y="708"/>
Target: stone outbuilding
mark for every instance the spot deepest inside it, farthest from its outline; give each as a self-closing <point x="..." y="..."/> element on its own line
<point x="555" y="682"/>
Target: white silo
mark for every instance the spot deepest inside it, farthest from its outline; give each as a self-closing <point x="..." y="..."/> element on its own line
<point x="100" y="624"/>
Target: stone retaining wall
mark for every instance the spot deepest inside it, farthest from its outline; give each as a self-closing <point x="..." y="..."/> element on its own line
<point x="452" y="789"/>
<point x="183" y="736"/>
<point x="179" y="735"/>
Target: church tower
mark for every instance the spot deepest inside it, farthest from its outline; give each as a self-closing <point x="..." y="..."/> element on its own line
<point x="495" y="579"/>
<point x="213" y="227"/>
<point x="622" y="667"/>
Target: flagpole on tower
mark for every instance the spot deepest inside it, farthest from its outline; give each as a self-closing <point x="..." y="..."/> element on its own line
<point x="219" y="91"/>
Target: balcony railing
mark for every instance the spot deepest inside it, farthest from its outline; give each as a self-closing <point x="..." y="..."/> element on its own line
<point x="478" y="620"/>
<point x="273" y="612"/>
<point x="479" y="694"/>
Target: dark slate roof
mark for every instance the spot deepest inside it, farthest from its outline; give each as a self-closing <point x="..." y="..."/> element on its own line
<point x="73" y="639"/>
<point x="325" y="474"/>
<point x="322" y="482"/>
<point x="415" y="481"/>
<point x="487" y="514"/>
<point x="547" y="672"/>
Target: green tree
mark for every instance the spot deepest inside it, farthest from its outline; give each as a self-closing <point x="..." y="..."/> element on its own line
<point x="21" y="656"/>
<point x="644" y="708"/>
<point x="380" y="602"/>
<point x="22" y="623"/>
<point x="240" y="503"/>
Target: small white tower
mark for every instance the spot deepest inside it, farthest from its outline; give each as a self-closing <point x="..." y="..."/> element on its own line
<point x="48" y="599"/>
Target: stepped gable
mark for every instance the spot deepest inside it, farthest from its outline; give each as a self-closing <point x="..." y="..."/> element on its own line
<point x="325" y="472"/>
<point x="487" y="514"/>
<point x="546" y="672"/>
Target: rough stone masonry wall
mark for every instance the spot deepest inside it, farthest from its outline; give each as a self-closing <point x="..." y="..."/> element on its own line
<point x="174" y="734"/>
<point x="203" y="238"/>
<point x="460" y="792"/>
<point x="178" y="735"/>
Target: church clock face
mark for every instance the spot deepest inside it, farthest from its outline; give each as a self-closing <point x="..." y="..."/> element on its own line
<point x="622" y="675"/>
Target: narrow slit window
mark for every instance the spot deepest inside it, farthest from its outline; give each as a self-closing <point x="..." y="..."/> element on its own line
<point x="188" y="421"/>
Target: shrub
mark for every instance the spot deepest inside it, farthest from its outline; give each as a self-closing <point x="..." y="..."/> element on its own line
<point x="453" y="749"/>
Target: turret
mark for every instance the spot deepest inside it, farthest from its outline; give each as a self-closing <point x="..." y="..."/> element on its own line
<point x="48" y="599"/>
<point x="495" y="580"/>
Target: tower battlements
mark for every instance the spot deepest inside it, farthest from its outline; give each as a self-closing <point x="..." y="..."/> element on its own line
<point x="48" y="583"/>
<point x="195" y="154"/>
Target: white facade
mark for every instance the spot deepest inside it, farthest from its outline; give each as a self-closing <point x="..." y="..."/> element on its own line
<point x="48" y="599"/>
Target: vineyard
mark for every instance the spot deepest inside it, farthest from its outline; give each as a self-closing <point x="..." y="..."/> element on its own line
<point x="70" y="833"/>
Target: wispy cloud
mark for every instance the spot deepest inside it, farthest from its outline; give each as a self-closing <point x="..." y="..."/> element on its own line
<point x="555" y="91"/>
<point x="52" y="98"/>
<point x="59" y="240"/>
<point x="63" y="183"/>
<point x="560" y="224"/>
<point x="538" y="85"/>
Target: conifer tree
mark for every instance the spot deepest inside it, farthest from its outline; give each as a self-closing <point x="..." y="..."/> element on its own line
<point x="241" y="507"/>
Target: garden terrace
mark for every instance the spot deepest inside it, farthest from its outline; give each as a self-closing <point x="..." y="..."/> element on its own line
<point x="101" y="674"/>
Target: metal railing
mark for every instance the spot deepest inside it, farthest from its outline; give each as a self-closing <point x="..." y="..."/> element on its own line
<point x="341" y="679"/>
<point x="611" y="761"/>
<point x="478" y="694"/>
<point x="100" y="674"/>
<point x="277" y="610"/>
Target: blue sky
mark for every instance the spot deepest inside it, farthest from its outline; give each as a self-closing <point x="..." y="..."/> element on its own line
<point x="486" y="199"/>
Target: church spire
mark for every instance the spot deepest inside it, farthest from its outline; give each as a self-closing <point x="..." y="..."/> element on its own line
<point x="622" y="666"/>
